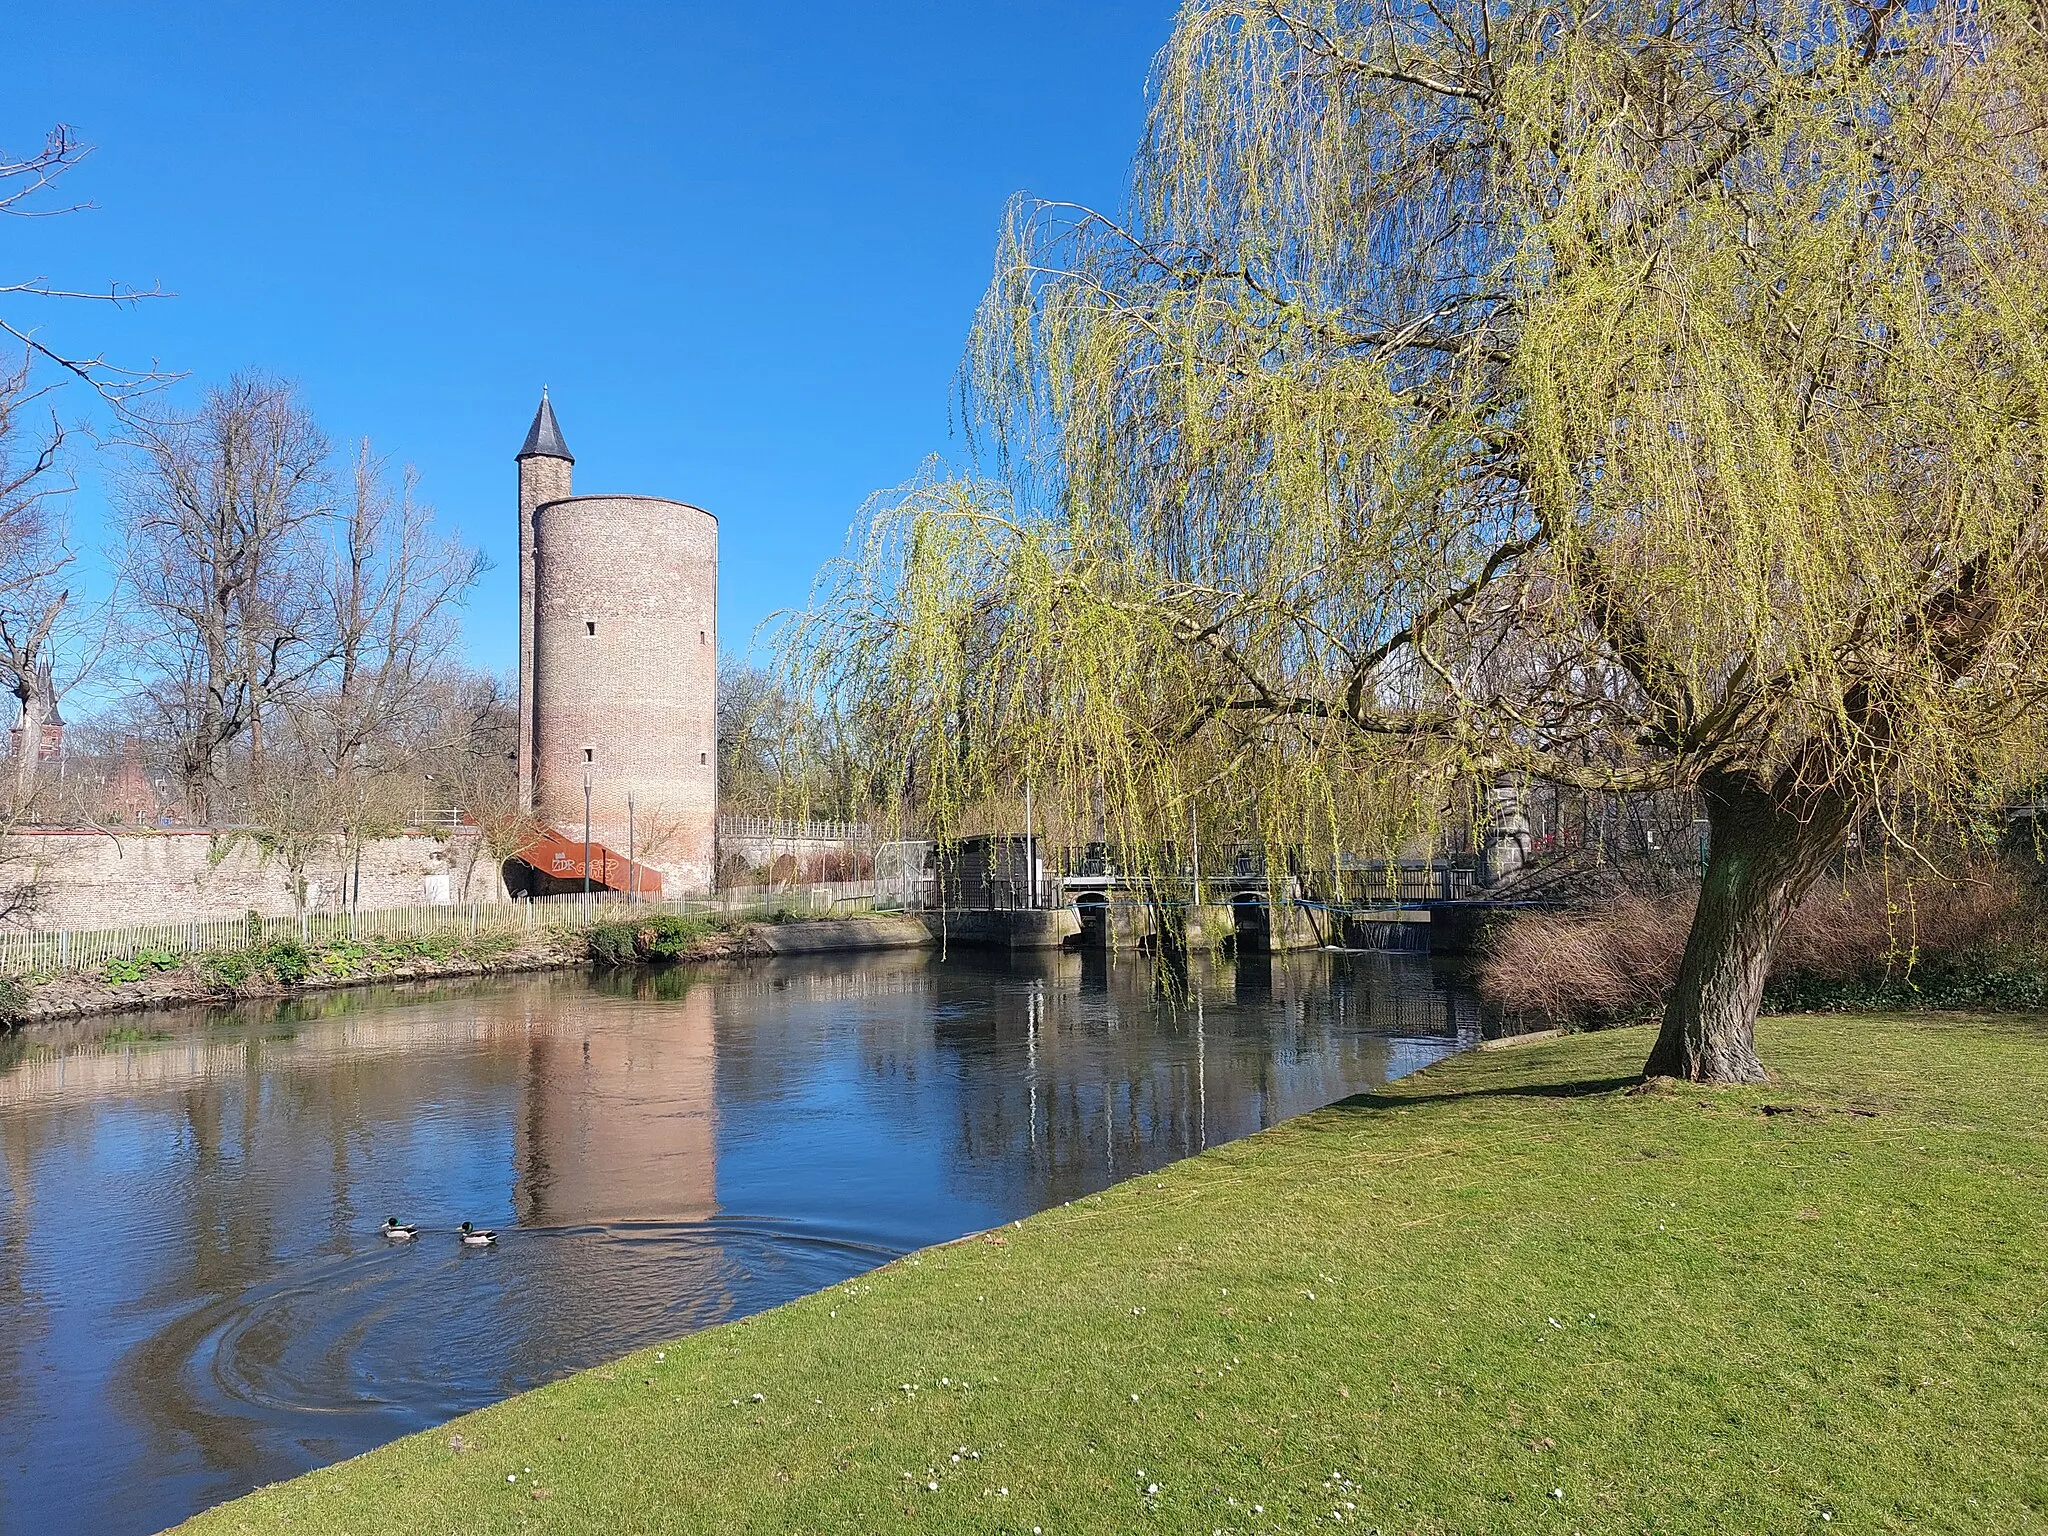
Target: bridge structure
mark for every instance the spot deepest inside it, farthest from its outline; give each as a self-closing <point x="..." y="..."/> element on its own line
<point x="1417" y="906"/>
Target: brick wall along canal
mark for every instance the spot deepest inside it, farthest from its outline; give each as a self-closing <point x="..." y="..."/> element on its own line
<point x="194" y="1298"/>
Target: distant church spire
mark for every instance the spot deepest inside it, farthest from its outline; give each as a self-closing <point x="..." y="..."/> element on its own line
<point x="544" y="438"/>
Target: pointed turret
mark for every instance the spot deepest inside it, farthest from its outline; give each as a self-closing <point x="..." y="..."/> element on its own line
<point x="544" y="437"/>
<point x="544" y="476"/>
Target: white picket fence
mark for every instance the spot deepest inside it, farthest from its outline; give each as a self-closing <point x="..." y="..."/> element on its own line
<point x="55" y="950"/>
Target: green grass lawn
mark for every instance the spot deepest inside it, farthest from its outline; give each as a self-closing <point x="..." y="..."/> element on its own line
<point x="1505" y="1295"/>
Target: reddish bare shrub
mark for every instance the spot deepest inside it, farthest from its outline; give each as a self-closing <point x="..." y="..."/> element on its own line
<point x="1612" y="962"/>
<point x="1617" y="960"/>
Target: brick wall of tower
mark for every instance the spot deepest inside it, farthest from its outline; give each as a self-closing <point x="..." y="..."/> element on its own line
<point x="625" y="669"/>
<point x="542" y="478"/>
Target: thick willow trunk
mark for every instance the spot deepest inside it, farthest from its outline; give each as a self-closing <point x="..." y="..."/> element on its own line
<point x="1770" y="843"/>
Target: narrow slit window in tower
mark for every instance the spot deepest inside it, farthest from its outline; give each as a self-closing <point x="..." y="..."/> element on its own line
<point x="703" y="759"/>
<point x="590" y="626"/>
<point x="590" y="754"/>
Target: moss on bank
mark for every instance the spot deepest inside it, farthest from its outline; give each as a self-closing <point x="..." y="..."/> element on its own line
<point x="1514" y="1293"/>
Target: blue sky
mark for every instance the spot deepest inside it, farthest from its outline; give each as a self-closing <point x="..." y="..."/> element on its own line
<point x="740" y="244"/>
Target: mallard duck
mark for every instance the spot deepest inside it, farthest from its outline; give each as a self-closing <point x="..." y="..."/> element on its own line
<point x="398" y="1231"/>
<point x="477" y="1237"/>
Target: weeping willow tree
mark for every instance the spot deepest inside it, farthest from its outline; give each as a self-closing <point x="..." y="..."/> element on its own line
<point x="1633" y="396"/>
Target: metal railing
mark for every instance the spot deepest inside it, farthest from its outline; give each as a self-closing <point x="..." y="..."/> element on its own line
<point x="782" y="831"/>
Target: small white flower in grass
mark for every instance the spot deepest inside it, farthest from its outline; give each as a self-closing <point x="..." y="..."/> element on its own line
<point x="1151" y="1488"/>
<point x="1311" y="1295"/>
<point x="1006" y="1493"/>
<point x="1557" y="1493"/>
<point x="945" y="1381"/>
<point x="661" y="1354"/>
<point x="1258" y="1509"/>
<point x="931" y="1487"/>
<point x="1134" y="1397"/>
<point x="758" y="1398"/>
<point x="1824" y="1514"/>
<point x="956" y="1457"/>
<point x="511" y="1477"/>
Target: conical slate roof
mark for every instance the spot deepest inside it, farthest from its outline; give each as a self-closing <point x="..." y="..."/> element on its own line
<point x="49" y="691"/>
<point x="544" y="438"/>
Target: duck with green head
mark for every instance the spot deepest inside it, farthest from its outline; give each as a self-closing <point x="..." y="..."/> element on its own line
<point x="397" y="1231"/>
<point x="477" y="1237"/>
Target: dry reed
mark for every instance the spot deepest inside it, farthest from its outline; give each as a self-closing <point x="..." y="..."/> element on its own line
<point x="1616" y="961"/>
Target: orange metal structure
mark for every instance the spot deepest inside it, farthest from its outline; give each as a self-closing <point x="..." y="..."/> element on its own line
<point x="561" y="858"/>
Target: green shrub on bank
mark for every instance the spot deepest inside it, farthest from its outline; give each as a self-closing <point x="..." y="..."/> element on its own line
<point x="142" y="963"/>
<point x="290" y="962"/>
<point x="284" y="960"/>
<point x="227" y="969"/>
<point x="653" y="939"/>
<point x="1986" y="983"/>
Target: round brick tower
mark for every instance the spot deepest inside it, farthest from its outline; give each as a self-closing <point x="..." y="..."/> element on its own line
<point x="623" y="599"/>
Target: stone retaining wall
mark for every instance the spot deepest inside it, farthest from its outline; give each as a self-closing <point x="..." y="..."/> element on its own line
<point x="115" y="879"/>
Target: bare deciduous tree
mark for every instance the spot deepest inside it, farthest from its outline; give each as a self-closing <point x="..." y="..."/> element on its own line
<point x="221" y="518"/>
<point x="33" y="557"/>
<point x="386" y="611"/>
<point x="25" y="179"/>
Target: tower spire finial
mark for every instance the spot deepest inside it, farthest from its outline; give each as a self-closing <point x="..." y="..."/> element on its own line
<point x="544" y="437"/>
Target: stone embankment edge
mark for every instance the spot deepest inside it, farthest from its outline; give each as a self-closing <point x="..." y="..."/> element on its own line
<point x="82" y="996"/>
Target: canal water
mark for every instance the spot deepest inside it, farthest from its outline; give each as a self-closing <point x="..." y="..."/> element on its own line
<point x="194" y="1299"/>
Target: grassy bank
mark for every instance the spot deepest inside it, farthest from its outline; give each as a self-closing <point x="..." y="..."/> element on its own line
<point x="1507" y="1295"/>
<point x="284" y="967"/>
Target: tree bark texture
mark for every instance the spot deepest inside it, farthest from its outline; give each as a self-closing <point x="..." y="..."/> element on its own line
<point x="1770" y="843"/>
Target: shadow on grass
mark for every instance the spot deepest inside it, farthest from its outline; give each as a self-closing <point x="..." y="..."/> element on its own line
<point x="1578" y="1088"/>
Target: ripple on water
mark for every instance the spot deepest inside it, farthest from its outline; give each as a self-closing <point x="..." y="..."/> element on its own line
<point x="428" y="1329"/>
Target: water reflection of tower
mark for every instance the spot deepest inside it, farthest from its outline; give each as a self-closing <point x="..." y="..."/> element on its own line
<point x="618" y="1121"/>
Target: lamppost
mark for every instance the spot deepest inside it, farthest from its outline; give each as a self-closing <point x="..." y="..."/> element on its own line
<point x="632" y="857"/>
<point x="586" y="845"/>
